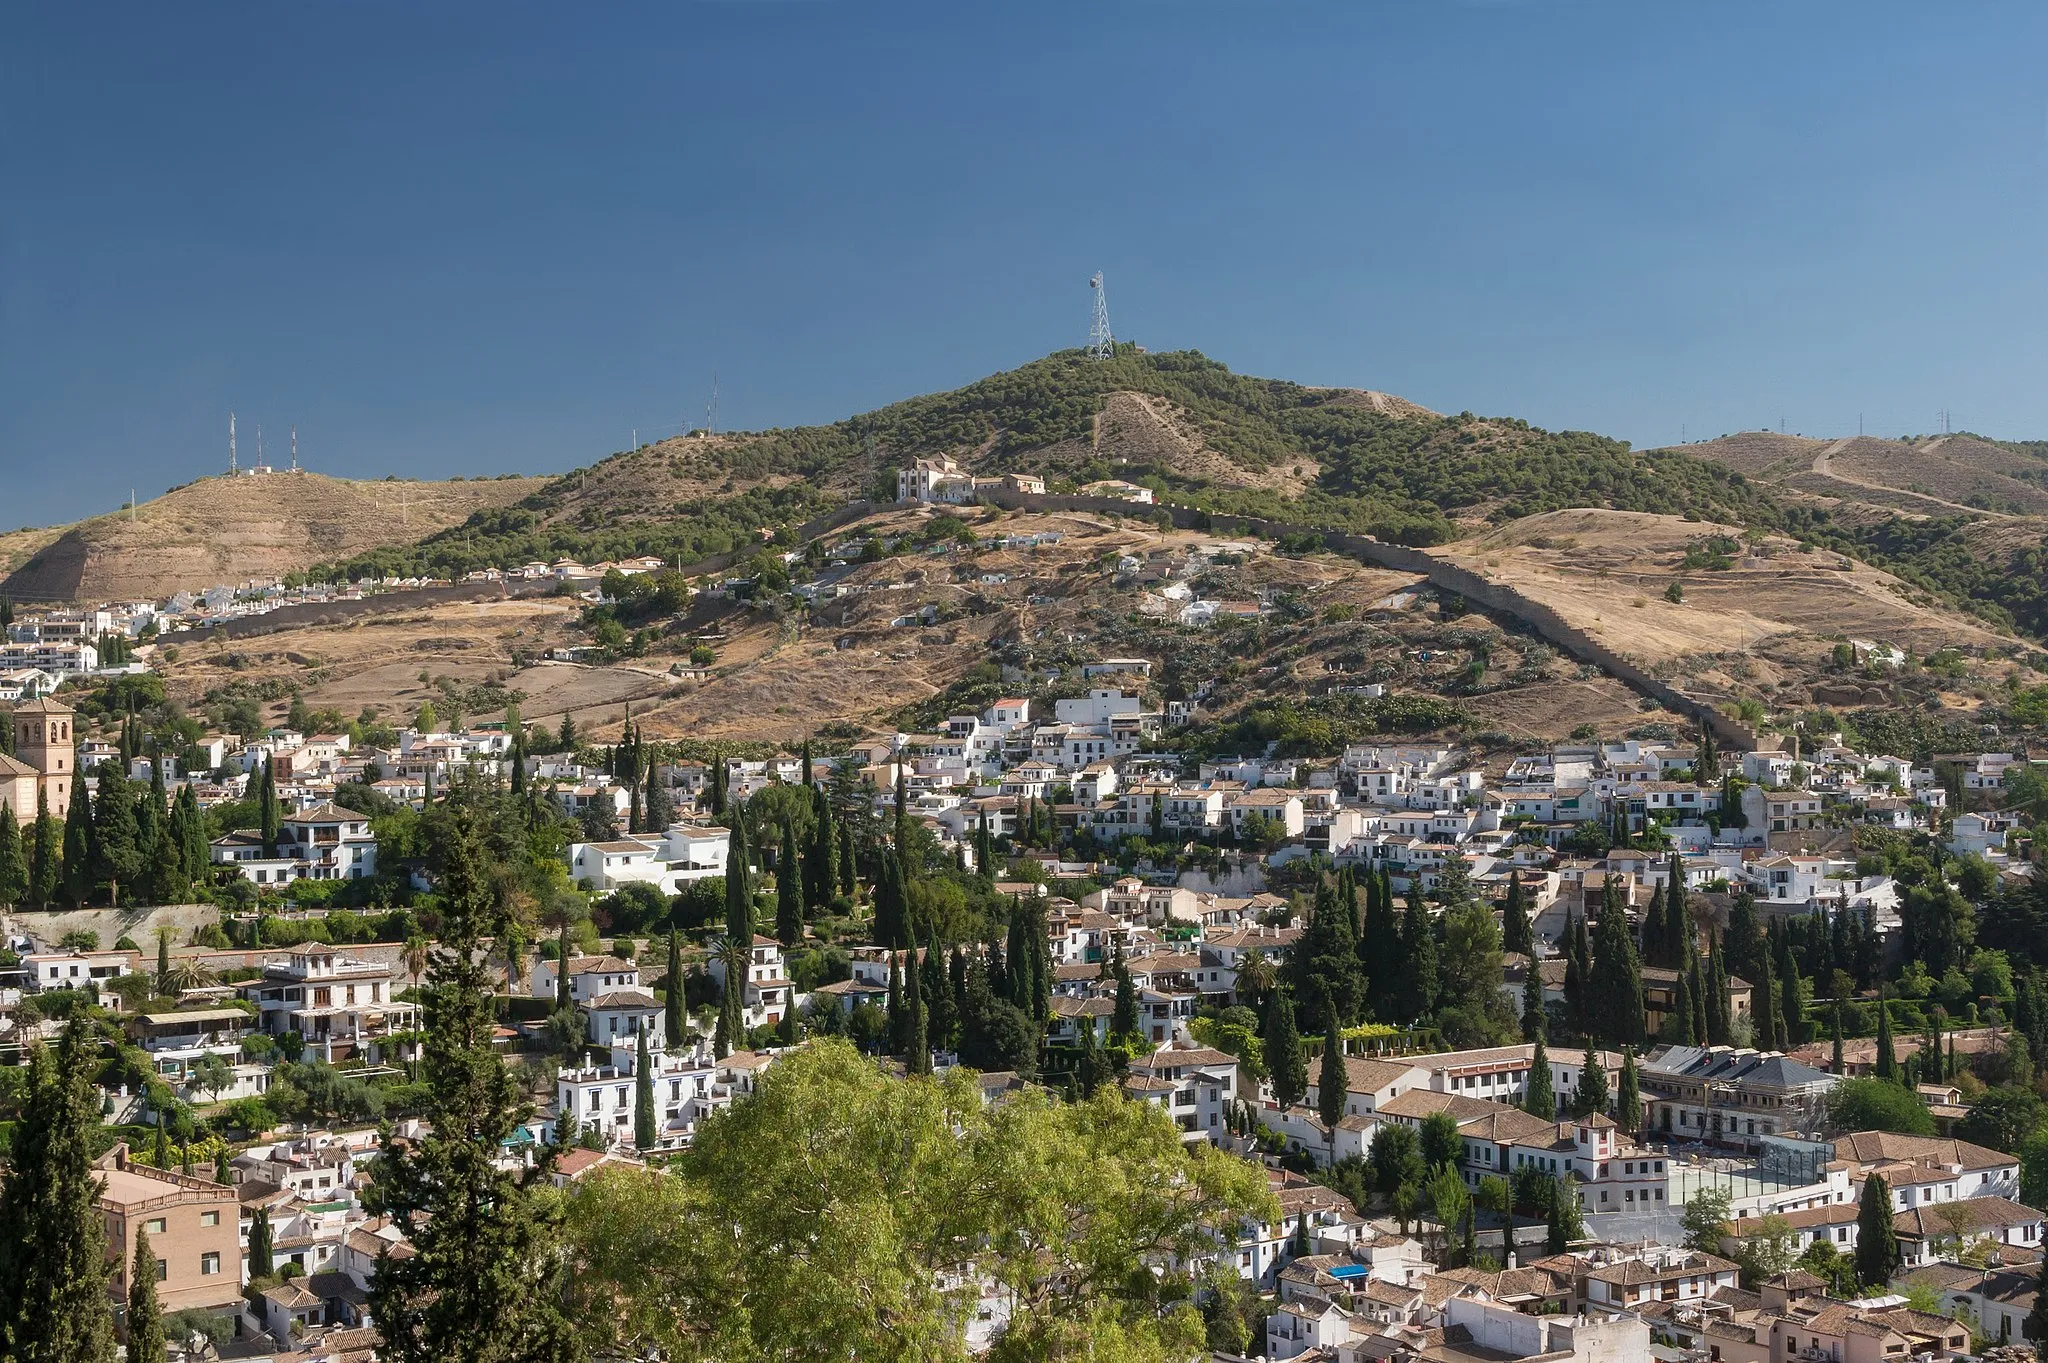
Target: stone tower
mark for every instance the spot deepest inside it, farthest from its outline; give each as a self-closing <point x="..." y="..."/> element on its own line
<point x="43" y="740"/>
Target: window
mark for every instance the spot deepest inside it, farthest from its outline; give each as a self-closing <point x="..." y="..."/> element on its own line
<point x="209" y="1218"/>
<point x="163" y="1269"/>
<point x="209" y="1264"/>
<point x="154" y="1227"/>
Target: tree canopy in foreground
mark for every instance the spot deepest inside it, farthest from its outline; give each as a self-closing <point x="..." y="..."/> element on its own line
<point x="831" y="1214"/>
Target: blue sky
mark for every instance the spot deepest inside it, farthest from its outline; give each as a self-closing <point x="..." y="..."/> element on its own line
<point x="473" y="239"/>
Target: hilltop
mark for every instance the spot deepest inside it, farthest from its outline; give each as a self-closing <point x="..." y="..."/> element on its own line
<point x="229" y="530"/>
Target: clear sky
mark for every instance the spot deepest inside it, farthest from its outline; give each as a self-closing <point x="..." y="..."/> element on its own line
<point x="456" y="238"/>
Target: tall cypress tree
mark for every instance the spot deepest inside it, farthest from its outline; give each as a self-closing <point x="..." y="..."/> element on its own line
<point x="271" y="810"/>
<point x="899" y="1014"/>
<point x="1791" y="1026"/>
<point x="1887" y="1066"/>
<point x="53" y="1271"/>
<point x="1515" y="933"/>
<point x="1678" y="936"/>
<point x="1534" y="1021"/>
<point x="46" y="862"/>
<point x="1681" y="1012"/>
<point x="1616" y="995"/>
<point x="657" y="810"/>
<point x="117" y="849"/>
<point x="1283" y="1051"/>
<point x="1877" y="1238"/>
<point x="78" y="859"/>
<point x="942" y="1015"/>
<point x="918" y="1043"/>
<point x="145" y="1322"/>
<point x="1576" y="984"/>
<point x="1835" y="1065"/>
<point x="1539" y="1097"/>
<point x="1717" y="993"/>
<point x="1699" y="1000"/>
<point x="1332" y="1086"/>
<point x="259" y="1244"/>
<point x="1416" y="993"/>
<point x="643" y="1093"/>
<point x="789" y="889"/>
<point x="1591" y="1097"/>
<point x="672" y="993"/>
<point x="739" y="888"/>
<point x="1381" y="952"/>
<point x="818" y="858"/>
<point x="486" y="1269"/>
<point x="1123" y="1018"/>
<point x="1628" y="1103"/>
<point x="13" y="861"/>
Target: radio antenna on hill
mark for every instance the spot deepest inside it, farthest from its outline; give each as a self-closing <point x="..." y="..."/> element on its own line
<point x="1101" y="344"/>
<point x="233" y="468"/>
<point x="711" y="408"/>
<point x="295" y="449"/>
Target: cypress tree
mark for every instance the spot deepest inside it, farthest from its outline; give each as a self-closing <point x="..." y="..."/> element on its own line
<point x="899" y="1015"/>
<point x="818" y="857"/>
<point x="918" y="1045"/>
<point x="1628" y="1104"/>
<point x="1616" y="994"/>
<point x="1654" y="952"/>
<point x="145" y="1318"/>
<point x="672" y="993"/>
<point x="739" y="889"/>
<point x="565" y="998"/>
<point x="1123" y="1020"/>
<point x="942" y="1016"/>
<point x="1791" y="1026"/>
<point x="1332" y="1085"/>
<point x="1591" y="1096"/>
<point x="1381" y="952"/>
<point x="78" y="860"/>
<point x="984" y="848"/>
<point x="487" y="1264"/>
<point x="272" y="810"/>
<point x="1575" y="982"/>
<point x="1743" y="950"/>
<point x="259" y="1244"/>
<point x="643" y="1093"/>
<point x="1416" y="994"/>
<point x="658" y="809"/>
<point x="1877" y="1239"/>
<point x="1835" y="1065"/>
<point x="1706" y="765"/>
<point x="1717" y="993"/>
<point x="516" y="761"/>
<point x="159" y="871"/>
<point x="117" y="849"/>
<point x="1681" y="1012"/>
<point x="1539" y="1097"/>
<point x="1534" y="1023"/>
<point x="1678" y="936"/>
<point x="1887" y="1065"/>
<point x="717" y="785"/>
<point x="53" y="1272"/>
<point x="13" y="862"/>
<point x="46" y="865"/>
<point x="789" y="889"/>
<point x="1283" y="1051"/>
<point x="848" y="884"/>
<point x="1515" y="933"/>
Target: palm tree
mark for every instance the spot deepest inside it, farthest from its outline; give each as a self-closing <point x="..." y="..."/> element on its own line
<point x="186" y="975"/>
<point x="414" y="957"/>
<point x="1255" y="976"/>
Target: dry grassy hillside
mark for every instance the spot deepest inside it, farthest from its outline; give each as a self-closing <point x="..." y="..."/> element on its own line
<point x="1925" y="475"/>
<point x="228" y="530"/>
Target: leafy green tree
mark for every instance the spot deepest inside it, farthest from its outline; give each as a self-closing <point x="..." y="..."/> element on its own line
<point x="1395" y="1157"/>
<point x="1473" y="1011"/>
<point x="145" y="1322"/>
<point x="54" y="1306"/>
<point x="486" y="1277"/>
<point x="1877" y="1240"/>
<point x="1705" y="1219"/>
<point x="1565" y="1221"/>
<point x="1878" y="1105"/>
<point x="1441" y="1144"/>
<point x="2005" y="1119"/>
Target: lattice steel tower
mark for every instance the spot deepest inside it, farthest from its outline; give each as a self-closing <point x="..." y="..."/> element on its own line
<point x="1101" y="345"/>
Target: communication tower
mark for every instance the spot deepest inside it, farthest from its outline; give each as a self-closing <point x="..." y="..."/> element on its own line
<point x="233" y="468"/>
<point x="1101" y="344"/>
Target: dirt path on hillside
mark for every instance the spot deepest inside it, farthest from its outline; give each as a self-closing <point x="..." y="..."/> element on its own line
<point x="1823" y="468"/>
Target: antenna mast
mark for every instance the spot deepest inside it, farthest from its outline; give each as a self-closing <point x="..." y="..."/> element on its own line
<point x="233" y="468"/>
<point x="295" y="449"/>
<point x="1101" y="344"/>
<point x="711" y="408"/>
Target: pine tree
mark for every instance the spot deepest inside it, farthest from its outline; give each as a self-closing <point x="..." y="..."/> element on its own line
<point x="1332" y="1086"/>
<point x="672" y="993"/>
<point x="13" y="862"/>
<point x="1877" y="1240"/>
<point x="1539" y="1098"/>
<point x="1628" y="1103"/>
<point x="45" y="865"/>
<point x="789" y="889"/>
<point x="145" y="1322"/>
<point x="1515" y="933"/>
<point x="643" y="1093"/>
<point x="739" y="888"/>
<point x="1283" y="1051"/>
<point x="259" y="1244"/>
<point x="484" y="1281"/>
<point x="1591" y="1096"/>
<point x="54" y="1306"/>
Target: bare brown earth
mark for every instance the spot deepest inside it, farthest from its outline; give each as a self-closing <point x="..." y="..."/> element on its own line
<point x="225" y="531"/>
